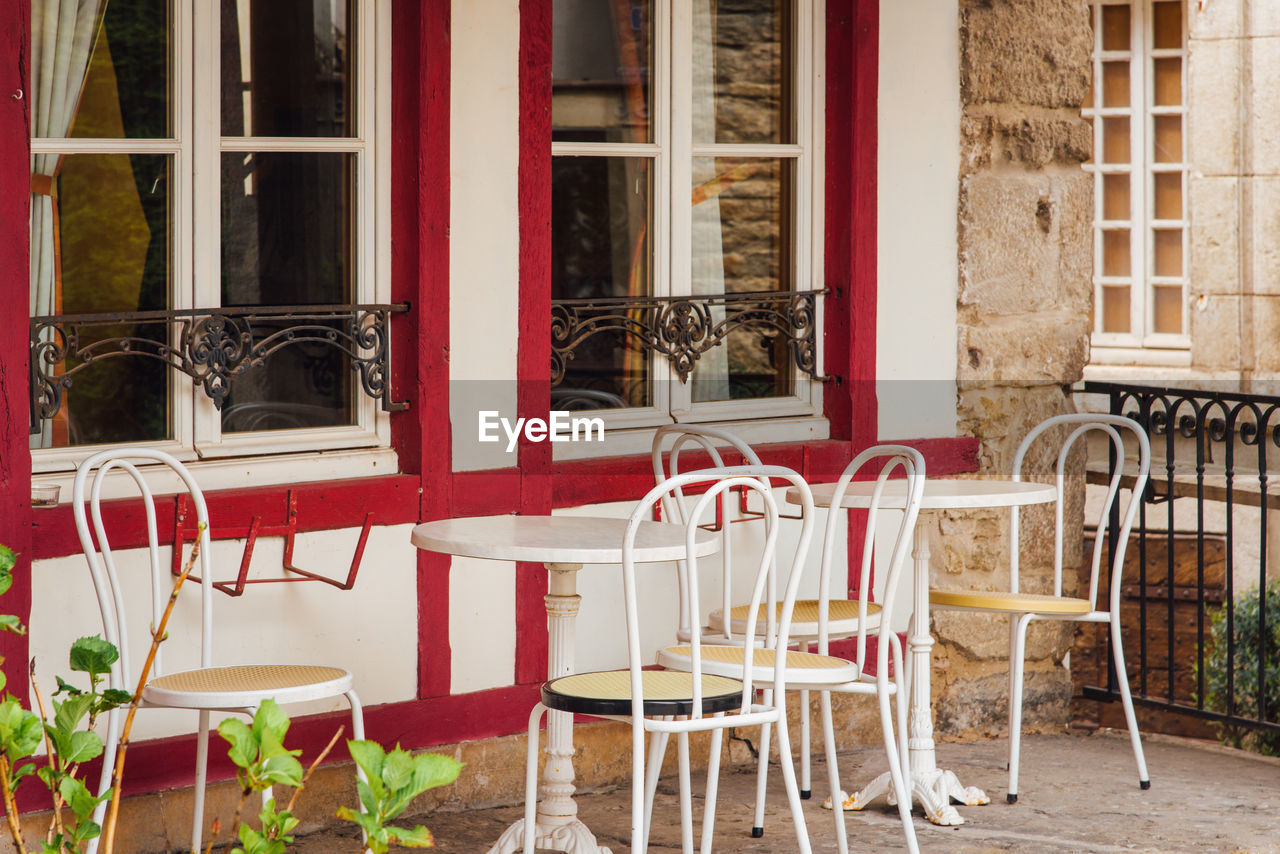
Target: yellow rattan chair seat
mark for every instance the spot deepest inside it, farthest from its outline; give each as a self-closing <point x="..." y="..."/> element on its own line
<point x="225" y="687"/>
<point x="801" y="667"/>
<point x="842" y="618"/>
<point x="1019" y="603"/>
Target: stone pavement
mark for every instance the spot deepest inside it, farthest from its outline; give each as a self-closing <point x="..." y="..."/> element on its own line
<point x="1079" y="793"/>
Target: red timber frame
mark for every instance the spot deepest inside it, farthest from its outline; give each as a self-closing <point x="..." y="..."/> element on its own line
<point x="427" y="487"/>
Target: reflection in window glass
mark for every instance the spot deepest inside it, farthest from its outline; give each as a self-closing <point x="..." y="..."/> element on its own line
<point x="741" y="242"/>
<point x="602" y="71"/>
<point x="288" y="68"/>
<point x="127" y="91"/>
<point x="114" y="257"/>
<point x="287" y="239"/>
<point x="742" y="72"/>
<point x="601" y="220"/>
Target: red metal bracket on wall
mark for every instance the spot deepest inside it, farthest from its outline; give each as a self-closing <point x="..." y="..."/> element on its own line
<point x="182" y="533"/>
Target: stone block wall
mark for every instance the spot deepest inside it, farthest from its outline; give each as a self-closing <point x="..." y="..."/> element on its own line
<point x="1024" y="303"/>
<point x="1234" y="192"/>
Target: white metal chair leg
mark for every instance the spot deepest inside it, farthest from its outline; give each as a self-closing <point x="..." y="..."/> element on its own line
<point x="1126" y="699"/>
<point x="357" y="734"/>
<point x="713" y="788"/>
<point x="1015" y="702"/>
<point x="531" y="781"/>
<point x="833" y="772"/>
<point x="900" y="788"/>
<point x="686" y="794"/>
<point x="202" y="767"/>
<point x="793" y="790"/>
<point x="806" y="784"/>
<point x="657" y="751"/>
<point x="901" y="702"/>
<point x="762" y="775"/>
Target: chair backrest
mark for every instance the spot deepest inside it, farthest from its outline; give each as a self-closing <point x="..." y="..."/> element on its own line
<point x="1116" y="428"/>
<point x="718" y="482"/>
<point x="87" y="508"/>
<point x="881" y="461"/>
<point x="675" y="505"/>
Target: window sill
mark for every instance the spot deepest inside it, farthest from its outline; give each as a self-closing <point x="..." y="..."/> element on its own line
<point x="240" y="472"/>
<point x="625" y="442"/>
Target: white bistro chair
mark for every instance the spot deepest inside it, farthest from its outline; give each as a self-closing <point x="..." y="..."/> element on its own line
<point x="658" y="702"/>
<point x="824" y="673"/>
<point x="236" y="688"/>
<point x="1024" y="608"/>
<point x="842" y="615"/>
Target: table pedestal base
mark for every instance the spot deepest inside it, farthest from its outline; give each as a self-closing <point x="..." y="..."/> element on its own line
<point x="932" y="790"/>
<point x="571" y="838"/>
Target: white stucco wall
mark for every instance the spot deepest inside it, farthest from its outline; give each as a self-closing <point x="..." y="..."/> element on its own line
<point x="371" y="630"/>
<point x="918" y="175"/>
<point x="484" y="244"/>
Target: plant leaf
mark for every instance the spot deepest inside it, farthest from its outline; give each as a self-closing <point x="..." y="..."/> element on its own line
<point x="419" y="837"/>
<point x="10" y="623"/>
<point x="85" y="745"/>
<point x="8" y="557"/>
<point x="244" y="746"/>
<point x="93" y="655"/>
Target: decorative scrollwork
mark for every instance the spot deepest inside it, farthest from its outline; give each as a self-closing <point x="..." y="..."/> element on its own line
<point x="683" y="328"/>
<point x="212" y="346"/>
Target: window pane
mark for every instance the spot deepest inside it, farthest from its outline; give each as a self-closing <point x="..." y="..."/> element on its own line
<point x="287" y="239"/>
<point x="112" y="249"/>
<point x="1168" y="251"/>
<point x="1167" y="89"/>
<point x="602" y="71"/>
<point x="1167" y="24"/>
<point x="1115" y="253"/>
<point x="1168" y="193"/>
<point x="1115" y="27"/>
<point x="1115" y="84"/>
<point x="1115" y="140"/>
<point x="1115" y="196"/>
<point x="601" y="225"/>
<point x="742" y="71"/>
<point x="742" y="242"/>
<point x="126" y="85"/>
<point x="1115" y="308"/>
<point x="288" y="68"/>
<point x="1168" y="310"/>
<point x="1168" y="141"/>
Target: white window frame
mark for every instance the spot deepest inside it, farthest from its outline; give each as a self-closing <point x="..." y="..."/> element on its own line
<point x="261" y="457"/>
<point x="1141" y="344"/>
<point x="799" y="415"/>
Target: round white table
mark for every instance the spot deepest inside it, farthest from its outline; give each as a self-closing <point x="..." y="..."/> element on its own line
<point x="563" y="544"/>
<point x="933" y="787"/>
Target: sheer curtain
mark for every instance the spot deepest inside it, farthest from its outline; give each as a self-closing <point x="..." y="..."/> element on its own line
<point x="62" y="36"/>
<point x="711" y="377"/>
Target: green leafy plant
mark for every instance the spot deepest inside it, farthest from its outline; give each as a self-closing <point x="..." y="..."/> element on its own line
<point x="257" y="749"/>
<point x="1249" y="647"/>
<point x="389" y="782"/>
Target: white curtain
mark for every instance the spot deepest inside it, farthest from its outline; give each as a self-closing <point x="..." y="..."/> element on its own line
<point x="62" y="36"/>
<point x="711" y="377"/>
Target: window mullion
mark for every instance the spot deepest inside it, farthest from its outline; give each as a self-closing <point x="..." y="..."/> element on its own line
<point x="1139" y="124"/>
<point x="203" y="288"/>
<point x="679" y="119"/>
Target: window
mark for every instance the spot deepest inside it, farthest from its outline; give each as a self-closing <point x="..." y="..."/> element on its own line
<point x="684" y="153"/>
<point x="206" y="176"/>
<point x="1137" y="109"/>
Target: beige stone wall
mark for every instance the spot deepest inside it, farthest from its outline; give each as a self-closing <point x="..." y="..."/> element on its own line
<point x="1234" y="193"/>
<point x="1025" y="225"/>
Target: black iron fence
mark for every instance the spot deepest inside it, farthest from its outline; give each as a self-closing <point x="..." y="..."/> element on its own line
<point x="1201" y="620"/>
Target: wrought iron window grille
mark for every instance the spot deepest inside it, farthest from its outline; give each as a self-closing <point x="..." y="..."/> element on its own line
<point x="682" y="328"/>
<point x="211" y="345"/>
